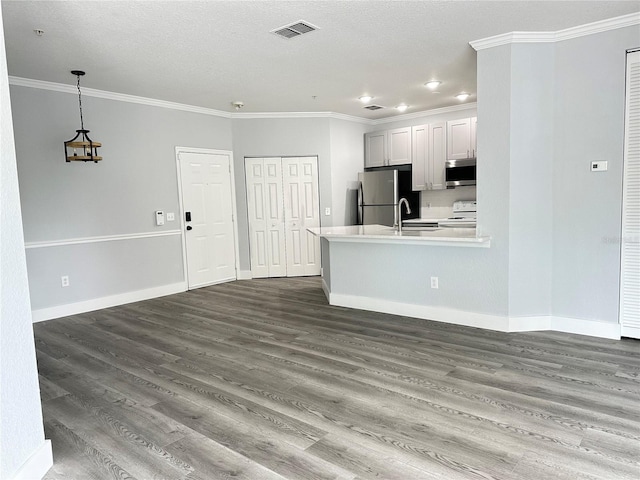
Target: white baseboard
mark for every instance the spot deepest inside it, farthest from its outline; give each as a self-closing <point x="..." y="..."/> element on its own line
<point x="327" y="292"/>
<point x="479" y="320"/>
<point x="244" y="275"/>
<point x="437" y="314"/>
<point x="37" y="465"/>
<point x="529" y="324"/>
<point x="106" y="302"/>
<point x="580" y="326"/>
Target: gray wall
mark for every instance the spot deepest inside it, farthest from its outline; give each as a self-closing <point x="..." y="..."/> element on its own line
<point x="468" y="279"/>
<point x="117" y="196"/>
<point x="493" y="170"/>
<point x="589" y="125"/>
<point x="347" y="160"/>
<point x="530" y="179"/>
<point x="21" y="431"/>
<point x="547" y="111"/>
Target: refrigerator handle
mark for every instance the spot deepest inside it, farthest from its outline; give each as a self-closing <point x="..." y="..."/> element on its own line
<point x="360" y="205"/>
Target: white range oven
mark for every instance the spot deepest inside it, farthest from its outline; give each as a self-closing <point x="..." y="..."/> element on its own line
<point x="464" y="215"/>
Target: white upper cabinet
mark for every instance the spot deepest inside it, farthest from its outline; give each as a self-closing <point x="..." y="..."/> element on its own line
<point x="399" y="141"/>
<point x="420" y="157"/>
<point x="437" y="155"/>
<point x="461" y="138"/>
<point x="429" y="153"/>
<point x="375" y="149"/>
<point x="388" y="147"/>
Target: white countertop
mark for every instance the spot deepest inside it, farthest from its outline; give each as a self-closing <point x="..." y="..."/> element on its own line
<point x="384" y="234"/>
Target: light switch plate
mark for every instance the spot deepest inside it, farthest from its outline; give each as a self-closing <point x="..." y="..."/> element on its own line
<point x="599" y="166"/>
<point x="171" y="216"/>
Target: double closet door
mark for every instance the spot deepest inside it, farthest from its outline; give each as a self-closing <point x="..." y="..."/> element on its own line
<point x="283" y="201"/>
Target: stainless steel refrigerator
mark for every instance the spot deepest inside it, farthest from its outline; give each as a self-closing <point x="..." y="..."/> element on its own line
<point x="378" y="194"/>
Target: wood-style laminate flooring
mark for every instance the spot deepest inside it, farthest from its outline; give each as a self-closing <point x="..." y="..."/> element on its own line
<point x="261" y="379"/>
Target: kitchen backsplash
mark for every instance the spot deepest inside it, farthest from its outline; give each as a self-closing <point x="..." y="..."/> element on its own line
<point x="439" y="203"/>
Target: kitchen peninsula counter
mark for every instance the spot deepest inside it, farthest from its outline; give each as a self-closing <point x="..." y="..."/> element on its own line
<point x="461" y="237"/>
<point x="418" y="273"/>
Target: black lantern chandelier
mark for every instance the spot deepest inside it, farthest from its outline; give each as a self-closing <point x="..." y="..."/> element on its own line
<point x="81" y="148"/>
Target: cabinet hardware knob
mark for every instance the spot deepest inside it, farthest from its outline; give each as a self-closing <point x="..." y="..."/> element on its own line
<point x="189" y="227"/>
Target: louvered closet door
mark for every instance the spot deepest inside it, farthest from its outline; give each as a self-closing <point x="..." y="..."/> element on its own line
<point x="302" y="211"/>
<point x="266" y="221"/>
<point x="630" y="268"/>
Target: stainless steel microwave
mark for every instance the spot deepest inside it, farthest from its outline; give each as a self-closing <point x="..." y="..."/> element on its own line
<point x="459" y="173"/>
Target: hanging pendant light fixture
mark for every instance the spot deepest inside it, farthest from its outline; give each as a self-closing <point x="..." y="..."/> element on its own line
<point x="81" y="148"/>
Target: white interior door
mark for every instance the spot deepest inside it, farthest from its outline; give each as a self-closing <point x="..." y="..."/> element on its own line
<point x="301" y="210"/>
<point x="266" y="220"/>
<point x="208" y="218"/>
<point x="630" y="258"/>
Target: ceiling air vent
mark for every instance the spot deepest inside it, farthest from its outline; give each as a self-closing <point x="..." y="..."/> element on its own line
<point x="373" y="107"/>
<point x="294" y="30"/>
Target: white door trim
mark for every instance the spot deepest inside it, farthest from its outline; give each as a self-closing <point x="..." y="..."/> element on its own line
<point x="234" y="212"/>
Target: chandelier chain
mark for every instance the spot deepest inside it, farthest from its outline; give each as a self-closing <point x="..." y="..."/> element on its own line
<point x="80" y="104"/>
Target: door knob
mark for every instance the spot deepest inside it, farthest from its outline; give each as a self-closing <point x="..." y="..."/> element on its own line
<point x="189" y="227"/>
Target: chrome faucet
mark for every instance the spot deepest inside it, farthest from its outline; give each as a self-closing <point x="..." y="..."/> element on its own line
<point x="408" y="210"/>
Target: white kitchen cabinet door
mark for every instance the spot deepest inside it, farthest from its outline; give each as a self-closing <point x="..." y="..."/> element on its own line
<point x="474" y="137"/>
<point x="419" y="157"/>
<point x="437" y="156"/>
<point x="459" y="139"/>
<point x="302" y="211"/>
<point x="265" y="204"/>
<point x="399" y="141"/>
<point x="375" y="149"/>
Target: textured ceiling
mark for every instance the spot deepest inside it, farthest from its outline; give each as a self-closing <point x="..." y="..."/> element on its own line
<point x="211" y="53"/>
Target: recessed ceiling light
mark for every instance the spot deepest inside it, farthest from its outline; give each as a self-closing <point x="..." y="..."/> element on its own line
<point x="432" y="84"/>
<point x="365" y="98"/>
<point x="462" y="96"/>
<point x="402" y="107"/>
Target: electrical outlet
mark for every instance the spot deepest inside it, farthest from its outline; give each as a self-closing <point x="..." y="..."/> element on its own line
<point x="64" y="280"/>
<point x="434" y="282"/>
<point x="327" y="211"/>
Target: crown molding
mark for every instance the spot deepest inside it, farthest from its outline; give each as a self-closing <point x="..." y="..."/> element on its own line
<point x="332" y="115"/>
<point x="559" y="36"/>
<point x="122" y="97"/>
<point x="425" y="113"/>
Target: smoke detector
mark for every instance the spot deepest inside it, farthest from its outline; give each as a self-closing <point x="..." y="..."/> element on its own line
<point x="237" y="105"/>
